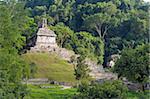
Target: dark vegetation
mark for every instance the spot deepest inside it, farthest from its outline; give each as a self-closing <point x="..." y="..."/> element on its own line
<point x="92" y="28"/>
<point x="134" y="65"/>
<point x="116" y="23"/>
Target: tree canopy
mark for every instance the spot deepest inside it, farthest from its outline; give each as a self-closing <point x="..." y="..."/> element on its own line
<point x="12" y="68"/>
<point x="134" y="64"/>
<point x="94" y="29"/>
<point x="118" y="23"/>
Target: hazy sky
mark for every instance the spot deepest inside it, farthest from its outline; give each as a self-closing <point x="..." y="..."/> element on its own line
<point x="147" y="0"/>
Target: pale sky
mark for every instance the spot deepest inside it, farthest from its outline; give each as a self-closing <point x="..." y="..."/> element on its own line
<point x="147" y="0"/>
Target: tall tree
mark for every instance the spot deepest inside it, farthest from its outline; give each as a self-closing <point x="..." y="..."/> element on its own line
<point x="134" y="64"/>
<point x="12" y="68"/>
<point x="62" y="11"/>
<point x="104" y="20"/>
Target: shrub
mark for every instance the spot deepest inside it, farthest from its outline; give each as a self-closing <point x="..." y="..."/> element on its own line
<point x="107" y="90"/>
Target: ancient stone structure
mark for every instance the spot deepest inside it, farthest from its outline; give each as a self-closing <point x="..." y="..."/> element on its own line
<point x="65" y="54"/>
<point x="112" y="60"/>
<point x="46" y="42"/>
<point x="46" y="39"/>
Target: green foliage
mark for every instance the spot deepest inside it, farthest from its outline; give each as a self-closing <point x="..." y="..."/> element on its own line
<point x="12" y="68"/>
<point x="83" y="26"/>
<point x="30" y="28"/>
<point x="10" y="35"/>
<point x="89" y="46"/>
<point x="134" y="64"/>
<point x="82" y="43"/>
<point x="61" y="11"/>
<point x="39" y="10"/>
<point x="106" y="90"/>
<point x="64" y="34"/>
<point x="109" y="19"/>
<point x="56" y="92"/>
<point x="102" y="22"/>
<point x="81" y="69"/>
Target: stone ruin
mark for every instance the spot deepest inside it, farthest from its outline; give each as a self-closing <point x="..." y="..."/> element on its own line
<point x="46" y="39"/>
<point x="46" y="42"/>
<point x="112" y="60"/>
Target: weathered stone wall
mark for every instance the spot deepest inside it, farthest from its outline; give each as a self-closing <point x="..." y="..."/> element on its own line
<point x="46" y="40"/>
<point x="93" y="66"/>
<point x="39" y="81"/>
<point x="65" y="54"/>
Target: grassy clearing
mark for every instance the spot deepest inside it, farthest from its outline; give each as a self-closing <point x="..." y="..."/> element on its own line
<point x="50" y="66"/>
<point x="54" y="68"/>
<point x="54" y="92"/>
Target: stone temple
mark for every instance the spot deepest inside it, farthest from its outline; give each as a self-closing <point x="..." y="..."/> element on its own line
<point x="46" y="42"/>
<point x="46" y="39"/>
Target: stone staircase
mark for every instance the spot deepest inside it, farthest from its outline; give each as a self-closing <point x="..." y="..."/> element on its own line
<point x="98" y="72"/>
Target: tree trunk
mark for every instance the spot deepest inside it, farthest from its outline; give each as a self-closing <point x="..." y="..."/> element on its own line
<point x="143" y="87"/>
<point x="62" y="42"/>
<point x="98" y="31"/>
<point x="105" y="31"/>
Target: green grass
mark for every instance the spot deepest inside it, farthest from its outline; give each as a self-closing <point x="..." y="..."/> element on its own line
<point x="55" y="92"/>
<point x="51" y="66"/>
<point x="138" y="95"/>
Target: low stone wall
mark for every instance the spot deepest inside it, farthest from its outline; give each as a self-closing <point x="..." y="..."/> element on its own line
<point x="40" y="81"/>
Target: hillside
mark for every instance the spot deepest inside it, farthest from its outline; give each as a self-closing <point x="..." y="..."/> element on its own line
<point x="51" y="67"/>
